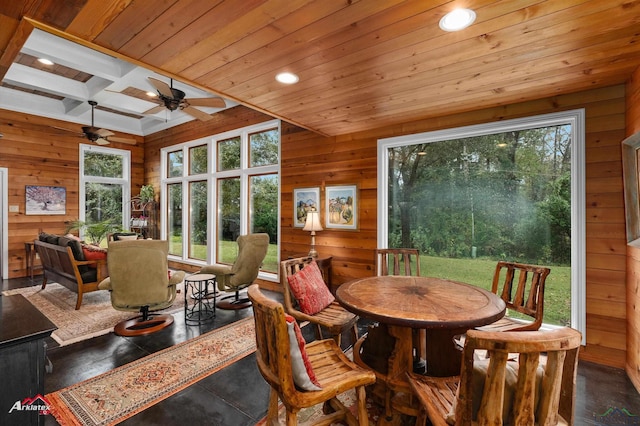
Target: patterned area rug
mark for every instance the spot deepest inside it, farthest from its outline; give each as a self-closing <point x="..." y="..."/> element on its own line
<point x="118" y="394"/>
<point x="95" y="317"/>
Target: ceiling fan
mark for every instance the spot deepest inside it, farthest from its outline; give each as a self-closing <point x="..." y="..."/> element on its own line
<point x="173" y="99"/>
<point x="102" y="136"/>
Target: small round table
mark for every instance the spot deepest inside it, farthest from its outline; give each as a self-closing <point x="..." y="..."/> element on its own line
<point x="201" y="309"/>
<point x="441" y="307"/>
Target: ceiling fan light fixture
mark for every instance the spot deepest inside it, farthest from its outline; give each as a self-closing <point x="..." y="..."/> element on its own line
<point x="457" y="19"/>
<point x="287" y="78"/>
<point x="45" y="61"/>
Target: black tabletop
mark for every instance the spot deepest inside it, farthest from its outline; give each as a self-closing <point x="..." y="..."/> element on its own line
<point x="20" y="320"/>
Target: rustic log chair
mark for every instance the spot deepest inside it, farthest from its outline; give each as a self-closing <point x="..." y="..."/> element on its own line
<point x="334" y="318"/>
<point x="400" y="260"/>
<point x="551" y="382"/>
<point x="333" y="370"/>
<point x="527" y="297"/>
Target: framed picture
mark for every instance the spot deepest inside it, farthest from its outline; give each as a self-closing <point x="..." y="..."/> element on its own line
<point x="631" y="175"/>
<point x="304" y="199"/>
<point x="45" y="200"/>
<point x="341" y="207"/>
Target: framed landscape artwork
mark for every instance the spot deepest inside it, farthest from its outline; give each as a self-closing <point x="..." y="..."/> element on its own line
<point x="304" y="199"/>
<point x="45" y="200"/>
<point x="341" y="207"/>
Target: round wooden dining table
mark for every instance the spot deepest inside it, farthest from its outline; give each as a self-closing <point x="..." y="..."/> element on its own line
<point x="443" y="308"/>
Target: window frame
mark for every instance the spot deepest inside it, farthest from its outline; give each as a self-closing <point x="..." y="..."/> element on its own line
<point x="245" y="172"/>
<point x="576" y="118"/>
<point x="125" y="181"/>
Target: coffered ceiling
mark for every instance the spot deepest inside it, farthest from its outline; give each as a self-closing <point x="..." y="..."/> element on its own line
<point x="362" y="64"/>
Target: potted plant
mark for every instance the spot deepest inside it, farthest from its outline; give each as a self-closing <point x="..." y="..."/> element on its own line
<point x="93" y="232"/>
<point x="146" y="193"/>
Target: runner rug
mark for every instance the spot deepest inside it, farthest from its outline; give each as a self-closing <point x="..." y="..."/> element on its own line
<point x="95" y="317"/>
<point x="118" y="394"/>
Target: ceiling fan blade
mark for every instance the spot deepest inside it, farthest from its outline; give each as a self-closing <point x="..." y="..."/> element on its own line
<point x="104" y="133"/>
<point x="102" y="141"/>
<point x="161" y="87"/>
<point x="155" y="110"/>
<point x="202" y="116"/>
<point x="207" y="102"/>
<point x="122" y="140"/>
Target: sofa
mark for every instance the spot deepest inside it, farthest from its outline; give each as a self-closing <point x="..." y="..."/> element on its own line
<point x="67" y="261"/>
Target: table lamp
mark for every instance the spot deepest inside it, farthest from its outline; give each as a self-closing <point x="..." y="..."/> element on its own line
<point x="313" y="224"/>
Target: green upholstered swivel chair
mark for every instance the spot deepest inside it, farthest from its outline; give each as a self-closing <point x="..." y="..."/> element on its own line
<point x="252" y="249"/>
<point x="138" y="281"/>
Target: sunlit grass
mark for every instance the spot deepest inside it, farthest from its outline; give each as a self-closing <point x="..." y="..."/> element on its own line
<point x="229" y="253"/>
<point x="479" y="272"/>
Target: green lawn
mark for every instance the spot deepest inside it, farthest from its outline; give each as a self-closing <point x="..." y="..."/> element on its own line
<point x="270" y="263"/>
<point x="479" y="272"/>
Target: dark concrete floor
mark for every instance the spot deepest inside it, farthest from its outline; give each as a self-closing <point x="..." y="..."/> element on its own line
<point x="237" y="395"/>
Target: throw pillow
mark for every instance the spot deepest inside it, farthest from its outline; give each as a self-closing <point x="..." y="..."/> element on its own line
<point x="122" y="236"/>
<point x="93" y="253"/>
<point x="309" y="289"/>
<point x="303" y="375"/>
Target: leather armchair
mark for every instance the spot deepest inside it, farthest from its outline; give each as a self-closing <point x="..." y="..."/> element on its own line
<point x="252" y="249"/>
<point x="138" y="281"/>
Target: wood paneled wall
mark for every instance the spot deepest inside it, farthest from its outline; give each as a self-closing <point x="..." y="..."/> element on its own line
<point x="35" y="152"/>
<point x="310" y="160"/>
<point x="633" y="251"/>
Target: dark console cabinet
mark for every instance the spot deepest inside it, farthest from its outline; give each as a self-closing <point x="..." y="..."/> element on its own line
<point x="23" y="330"/>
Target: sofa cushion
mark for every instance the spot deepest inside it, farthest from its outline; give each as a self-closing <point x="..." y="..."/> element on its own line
<point x="76" y="247"/>
<point x="48" y="238"/>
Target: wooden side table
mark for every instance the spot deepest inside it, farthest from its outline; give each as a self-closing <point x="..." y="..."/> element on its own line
<point x="30" y="257"/>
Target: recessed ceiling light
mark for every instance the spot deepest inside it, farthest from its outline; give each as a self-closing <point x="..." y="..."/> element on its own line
<point x="287" y="78"/>
<point x="45" y="61"/>
<point x="457" y="19"/>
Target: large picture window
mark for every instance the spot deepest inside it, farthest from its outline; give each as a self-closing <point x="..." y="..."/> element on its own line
<point x="469" y="197"/>
<point x="104" y="185"/>
<point x="221" y="187"/>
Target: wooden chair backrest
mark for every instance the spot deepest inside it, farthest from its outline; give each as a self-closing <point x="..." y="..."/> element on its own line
<point x="287" y="269"/>
<point x="527" y="295"/>
<point x="398" y="261"/>
<point x="272" y="342"/>
<point x="557" y="392"/>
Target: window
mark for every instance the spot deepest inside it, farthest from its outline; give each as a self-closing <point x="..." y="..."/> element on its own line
<point x="510" y="190"/>
<point x="229" y="186"/>
<point x="104" y="184"/>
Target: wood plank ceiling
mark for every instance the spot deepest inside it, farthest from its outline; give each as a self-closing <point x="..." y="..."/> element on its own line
<point x="362" y="64"/>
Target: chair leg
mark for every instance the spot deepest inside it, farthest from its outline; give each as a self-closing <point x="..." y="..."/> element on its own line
<point x="272" y="412"/>
<point x="292" y="418"/>
<point x="361" y="397"/>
